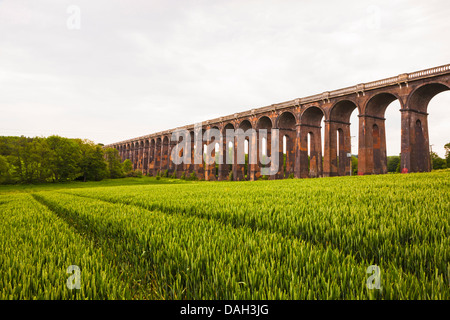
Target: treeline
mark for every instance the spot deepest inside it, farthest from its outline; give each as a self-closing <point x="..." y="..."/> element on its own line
<point x="58" y="159"/>
<point x="437" y="163"/>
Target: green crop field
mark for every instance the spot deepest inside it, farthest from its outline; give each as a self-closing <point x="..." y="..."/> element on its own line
<point x="285" y="239"/>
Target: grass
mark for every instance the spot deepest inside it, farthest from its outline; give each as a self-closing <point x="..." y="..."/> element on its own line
<point x="144" y="238"/>
<point x="4" y="189"/>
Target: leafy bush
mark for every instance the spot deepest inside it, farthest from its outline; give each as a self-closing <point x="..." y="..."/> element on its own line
<point x="135" y="174"/>
<point x="193" y="176"/>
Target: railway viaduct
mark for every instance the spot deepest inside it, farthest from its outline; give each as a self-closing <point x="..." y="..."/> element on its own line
<point x="299" y="120"/>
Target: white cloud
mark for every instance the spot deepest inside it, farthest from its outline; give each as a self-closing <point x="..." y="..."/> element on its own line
<point x="137" y="67"/>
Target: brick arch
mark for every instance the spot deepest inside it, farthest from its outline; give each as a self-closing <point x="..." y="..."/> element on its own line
<point x="413" y="90"/>
<point x="342" y="110"/>
<point x="132" y="156"/>
<point x="211" y="174"/>
<point x="140" y="155"/>
<point x="151" y="156"/>
<point x="227" y="155"/>
<point x="286" y="120"/>
<point x="310" y="123"/>
<point x="264" y="143"/>
<point x="286" y="123"/>
<point x="312" y="115"/>
<point x="158" y="147"/>
<point x="145" y="156"/>
<point x="421" y="96"/>
<point x="415" y="155"/>
<point x="165" y="153"/>
<point x="264" y="122"/>
<point x="130" y="151"/>
<point x="227" y="125"/>
<point x="372" y="155"/>
<point x="239" y="171"/>
<point x="188" y="167"/>
<point x="338" y="138"/>
<point x="377" y="104"/>
<point x="244" y="124"/>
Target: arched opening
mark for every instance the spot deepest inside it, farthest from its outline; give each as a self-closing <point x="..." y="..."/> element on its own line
<point x="158" y="151"/>
<point x="228" y="152"/>
<point x="199" y="152"/>
<point x="211" y="154"/>
<point x="286" y="123"/>
<point x="145" y="156"/>
<point x="341" y="149"/>
<point x="165" y="154"/>
<point x="393" y="136"/>
<point x="140" y="160"/>
<point x="135" y="154"/>
<point x="438" y="121"/>
<point x="244" y="147"/>
<point x="151" y="159"/>
<point x="372" y="155"/>
<point x="311" y="164"/>
<point x="188" y="163"/>
<point x="417" y="142"/>
<point x="264" y="144"/>
<point x="310" y="146"/>
<point x="216" y="162"/>
<point x="130" y="152"/>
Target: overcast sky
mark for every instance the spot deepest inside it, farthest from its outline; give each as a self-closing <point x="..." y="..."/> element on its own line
<point x="110" y="70"/>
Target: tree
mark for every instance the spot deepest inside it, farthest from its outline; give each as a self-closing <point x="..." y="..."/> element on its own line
<point x="64" y="157"/>
<point x="27" y="158"/>
<point x="5" y="175"/>
<point x="438" y="163"/>
<point x="40" y="152"/>
<point x="393" y="162"/>
<point x="30" y="160"/>
<point x="447" y="154"/>
<point x="127" y="166"/>
<point x="113" y="161"/>
<point x="354" y="166"/>
<point x="92" y="164"/>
